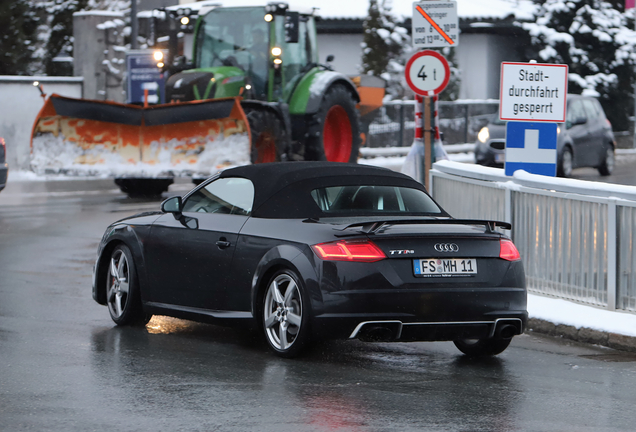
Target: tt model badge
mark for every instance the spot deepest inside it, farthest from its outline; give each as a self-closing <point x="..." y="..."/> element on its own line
<point x="401" y="252"/>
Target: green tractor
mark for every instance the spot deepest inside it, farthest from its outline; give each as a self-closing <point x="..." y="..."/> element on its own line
<point x="297" y="108"/>
<point x="255" y="92"/>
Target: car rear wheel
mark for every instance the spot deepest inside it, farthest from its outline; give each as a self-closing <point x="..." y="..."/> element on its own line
<point x="607" y="166"/>
<point x="482" y="347"/>
<point x="122" y="291"/>
<point x="285" y="315"/>
<point x="567" y="163"/>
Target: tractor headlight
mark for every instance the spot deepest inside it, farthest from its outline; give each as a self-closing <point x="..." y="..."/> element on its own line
<point x="157" y="55"/>
<point x="268" y="17"/>
<point x="276" y="51"/>
<point x="185" y="20"/>
<point x="483" y="134"/>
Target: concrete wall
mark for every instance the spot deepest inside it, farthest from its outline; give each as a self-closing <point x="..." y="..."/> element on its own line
<point x="346" y="50"/>
<point x="20" y="103"/>
<point x="92" y="47"/>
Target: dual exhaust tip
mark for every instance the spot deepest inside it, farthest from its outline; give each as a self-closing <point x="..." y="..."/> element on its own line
<point x="391" y="331"/>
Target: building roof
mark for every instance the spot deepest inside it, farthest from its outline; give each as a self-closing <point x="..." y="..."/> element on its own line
<point x="402" y="9"/>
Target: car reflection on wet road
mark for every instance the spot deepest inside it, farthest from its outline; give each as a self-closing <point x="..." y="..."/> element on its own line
<point x="65" y="366"/>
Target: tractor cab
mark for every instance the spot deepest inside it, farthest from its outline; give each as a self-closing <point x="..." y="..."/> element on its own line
<point x="258" y="52"/>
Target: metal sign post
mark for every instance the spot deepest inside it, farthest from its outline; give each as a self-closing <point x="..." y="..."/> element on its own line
<point x="427" y="74"/>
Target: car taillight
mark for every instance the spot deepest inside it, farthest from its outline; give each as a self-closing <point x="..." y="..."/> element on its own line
<point x="508" y="250"/>
<point x="349" y="250"/>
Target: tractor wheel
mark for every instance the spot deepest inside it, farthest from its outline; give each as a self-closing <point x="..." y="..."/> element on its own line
<point x="338" y="136"/>
<point x="268" y="136"/>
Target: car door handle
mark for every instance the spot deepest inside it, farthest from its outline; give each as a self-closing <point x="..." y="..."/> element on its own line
<point x="222" y="244"/>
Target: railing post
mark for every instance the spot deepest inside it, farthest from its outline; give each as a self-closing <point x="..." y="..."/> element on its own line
<point x="612" y="254"/>
<point x="401" y="136"/>
<point x="508" y="208"/>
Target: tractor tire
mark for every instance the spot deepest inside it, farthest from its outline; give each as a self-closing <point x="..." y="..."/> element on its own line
<point x="268" y="136"/>
<point x="336" y="135"/>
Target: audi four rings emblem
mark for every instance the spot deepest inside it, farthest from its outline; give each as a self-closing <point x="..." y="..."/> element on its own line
<point x="446" y="247"/>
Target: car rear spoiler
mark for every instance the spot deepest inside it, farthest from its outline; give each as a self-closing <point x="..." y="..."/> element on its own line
<point x="375" y="226"/>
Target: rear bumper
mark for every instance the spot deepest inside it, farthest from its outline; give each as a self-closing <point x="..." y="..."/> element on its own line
<point x="424" y="315"/>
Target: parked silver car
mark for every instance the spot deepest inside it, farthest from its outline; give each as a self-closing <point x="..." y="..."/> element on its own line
<point x="584" y="140"/>
<point x="4" y="167"/>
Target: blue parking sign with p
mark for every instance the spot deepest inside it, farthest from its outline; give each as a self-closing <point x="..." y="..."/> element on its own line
<point x="532" y="147"/>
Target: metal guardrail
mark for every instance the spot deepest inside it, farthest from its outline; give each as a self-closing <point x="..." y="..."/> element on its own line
<point x="393" y="124"/>
<point x="577" y="239"/>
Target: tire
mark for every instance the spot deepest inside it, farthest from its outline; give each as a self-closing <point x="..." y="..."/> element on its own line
<point x="268" y="136"/>
<point x="482" y="347"/>
<point x="143" y="188"/>
<point x="336" y="135"/>
<point x="607" y="166"/>
<point x="285" y="315"/>
<point x="122" y="289"/>
<point x="566" y="164"/>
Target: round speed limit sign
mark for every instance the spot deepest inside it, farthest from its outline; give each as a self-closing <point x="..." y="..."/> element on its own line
<point x="427" y="73"/>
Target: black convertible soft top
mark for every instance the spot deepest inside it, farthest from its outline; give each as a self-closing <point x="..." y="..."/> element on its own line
<point x="282" y="189"/>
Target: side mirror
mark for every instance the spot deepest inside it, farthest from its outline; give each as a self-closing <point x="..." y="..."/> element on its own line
<point x="568" y="124"/>
<point x="172" y="205"/>
<point x="330" y="58"/>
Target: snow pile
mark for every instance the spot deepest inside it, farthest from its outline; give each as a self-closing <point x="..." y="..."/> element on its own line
<point x="54" y="155"/>
<point x="559" y="311"/>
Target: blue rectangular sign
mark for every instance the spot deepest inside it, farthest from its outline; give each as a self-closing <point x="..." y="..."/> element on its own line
<point x="143" y="74"/>
<point x="532" y="147"/>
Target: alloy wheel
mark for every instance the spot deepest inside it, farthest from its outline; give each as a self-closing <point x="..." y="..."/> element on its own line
<point x="610" y="160"/>
<point x="282" y="316"/>
<point x="567" y="163"/>
<point x="118" y="284"/>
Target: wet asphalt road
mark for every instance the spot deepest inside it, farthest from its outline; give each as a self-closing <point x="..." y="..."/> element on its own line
<point x="64" y="366"/>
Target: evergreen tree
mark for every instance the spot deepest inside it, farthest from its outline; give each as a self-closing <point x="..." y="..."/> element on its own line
<point x="17" y="29"/>
<point x="383" y="39"/>
<point x="594" y="39"/>
<point x="60" y="41"/>
<point x="383" y="46"/>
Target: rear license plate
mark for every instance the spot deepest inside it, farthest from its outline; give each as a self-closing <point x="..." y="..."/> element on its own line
<point x="499" y="157"/>
<point x="447" y="267"/>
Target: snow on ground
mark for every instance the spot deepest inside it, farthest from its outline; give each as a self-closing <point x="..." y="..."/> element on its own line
<point x="550" y="309"/>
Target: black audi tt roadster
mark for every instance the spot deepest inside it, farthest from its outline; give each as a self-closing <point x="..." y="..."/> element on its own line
<point x="310" y="250"/>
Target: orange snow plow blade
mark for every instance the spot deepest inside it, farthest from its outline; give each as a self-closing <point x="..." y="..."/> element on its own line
<point x="101" y="137"/>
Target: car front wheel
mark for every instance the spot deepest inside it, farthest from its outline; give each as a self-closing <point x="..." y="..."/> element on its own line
<point x="567" y="163"/>
<point x="285" y="315"/>
<point x="482" y="347"/>
<point x="122" y="290"/>
<point x="607" y="166"/>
